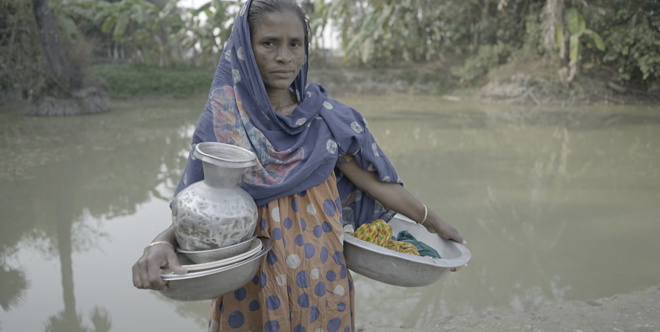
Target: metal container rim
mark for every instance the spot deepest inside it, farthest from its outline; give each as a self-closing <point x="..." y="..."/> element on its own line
<point x="216" y="153"/>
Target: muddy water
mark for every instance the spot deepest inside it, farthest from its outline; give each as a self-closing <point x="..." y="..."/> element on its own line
<point x="556" y="204"/>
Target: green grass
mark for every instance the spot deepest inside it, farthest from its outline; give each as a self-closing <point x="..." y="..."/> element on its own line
<point x="128" y="81"/>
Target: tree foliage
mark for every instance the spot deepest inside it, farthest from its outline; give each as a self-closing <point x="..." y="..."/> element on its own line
<point x="20" y="54"/>
<point x="572" y="35"/>
<point x="479" y="35"/>
<point x="488" y="33"/>
<point x="631" y="31"/>
<point x="207" y="29"/>
<point x="383" y="32"/>
<point x="142" y="31"/>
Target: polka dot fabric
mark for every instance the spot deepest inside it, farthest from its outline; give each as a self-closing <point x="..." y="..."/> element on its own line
<point x="303" y="283"/>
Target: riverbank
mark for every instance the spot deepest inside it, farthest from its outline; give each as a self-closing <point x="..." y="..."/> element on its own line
<point x="524" y="83"/>
<point x="529" y="82"/>
<point x="633" y="312"/>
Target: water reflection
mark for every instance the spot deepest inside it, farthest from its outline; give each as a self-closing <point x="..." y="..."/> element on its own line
<point x="552" y="203"/>
<point x="103" y="170"/>
<point x="544" y="197"/>
<point x="13" y="285"/>
<point x="70" y="321"/>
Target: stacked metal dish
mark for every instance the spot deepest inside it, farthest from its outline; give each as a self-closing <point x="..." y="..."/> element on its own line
<point x="211" y="278"/>
<point x="206" y="256"/>
<point x="402" y="269"/>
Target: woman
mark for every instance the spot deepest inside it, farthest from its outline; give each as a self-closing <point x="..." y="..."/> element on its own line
<point x="318" y="169"/>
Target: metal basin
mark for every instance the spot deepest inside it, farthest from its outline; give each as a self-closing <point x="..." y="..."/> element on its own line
<point x="212" y="283"/>
<point x="399" y="269"/>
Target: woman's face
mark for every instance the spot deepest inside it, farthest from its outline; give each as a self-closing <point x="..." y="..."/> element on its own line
<point x="278" y="43"/>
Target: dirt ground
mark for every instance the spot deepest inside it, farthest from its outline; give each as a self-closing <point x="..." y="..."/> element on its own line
<point x="634" y="312"/>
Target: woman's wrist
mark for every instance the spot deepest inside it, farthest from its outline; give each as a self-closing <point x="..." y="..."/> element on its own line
<point x="425" y="216"/>
<point x="166" y="237"/>
<point x="154" y="243"/>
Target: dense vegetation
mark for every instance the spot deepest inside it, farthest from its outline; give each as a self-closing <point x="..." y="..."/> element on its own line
<point x="127" y="81"/>
<point x="617" y="39"/>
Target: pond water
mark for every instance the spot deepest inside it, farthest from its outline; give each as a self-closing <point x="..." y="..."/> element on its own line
<point x="555" y="203"/>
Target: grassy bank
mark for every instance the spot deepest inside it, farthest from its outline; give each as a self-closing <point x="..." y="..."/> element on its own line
<point x="525" y="83"/>
<point x="128" y="81"/>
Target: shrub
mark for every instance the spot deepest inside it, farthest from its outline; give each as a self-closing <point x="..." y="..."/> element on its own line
<point x="127" y="81"/>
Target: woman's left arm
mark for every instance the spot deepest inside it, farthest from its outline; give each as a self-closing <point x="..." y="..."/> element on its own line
<point x="394" y="196"/>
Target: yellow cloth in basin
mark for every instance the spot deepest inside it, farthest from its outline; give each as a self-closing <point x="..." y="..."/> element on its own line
<point x="379" y="233"/>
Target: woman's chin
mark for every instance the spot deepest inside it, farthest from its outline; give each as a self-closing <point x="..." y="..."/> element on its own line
<point x="279" y="85"/>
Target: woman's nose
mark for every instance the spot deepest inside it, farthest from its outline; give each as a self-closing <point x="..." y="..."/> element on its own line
<point x="284" y="55"/>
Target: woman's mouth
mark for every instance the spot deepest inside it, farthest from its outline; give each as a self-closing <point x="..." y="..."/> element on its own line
<point x="282" y="73"/>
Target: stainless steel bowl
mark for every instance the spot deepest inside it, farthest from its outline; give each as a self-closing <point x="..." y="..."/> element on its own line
<point x="205" y="256"/>
<point x="399" y="269"/>
<point x="209" y="284"/>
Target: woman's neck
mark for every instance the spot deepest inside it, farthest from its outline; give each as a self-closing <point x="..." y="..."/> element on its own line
<point x="283" y="102"/>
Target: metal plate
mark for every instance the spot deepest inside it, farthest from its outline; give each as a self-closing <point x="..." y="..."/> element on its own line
<point x="213" y="283"/>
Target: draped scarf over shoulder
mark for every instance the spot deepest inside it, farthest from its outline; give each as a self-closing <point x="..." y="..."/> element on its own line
<point x="295" y="152"/>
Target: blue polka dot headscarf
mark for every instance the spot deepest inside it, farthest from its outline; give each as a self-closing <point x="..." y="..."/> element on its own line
<point x="294" y="152"/>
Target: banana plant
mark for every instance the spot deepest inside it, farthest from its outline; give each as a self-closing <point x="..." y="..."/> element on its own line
<point x="138" y="24"/>
<point x="577" y="28"/>
<point x="385" y="30"/>
<point x="208" y="28"/>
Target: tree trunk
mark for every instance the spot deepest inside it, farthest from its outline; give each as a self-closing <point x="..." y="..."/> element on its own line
<point x="62" y="69"/>
<point x="551" y="19"/>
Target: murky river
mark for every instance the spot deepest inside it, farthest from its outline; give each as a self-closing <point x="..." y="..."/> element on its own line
<point x="556" y="204"/>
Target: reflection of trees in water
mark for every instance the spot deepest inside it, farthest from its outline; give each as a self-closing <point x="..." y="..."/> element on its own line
<point x="109" y="167"/>
<point x="13" y="287"/>
<point x="70" y="321"/>
<point x="64" y="220"/>
<point x="197" y="311"/>
<point x="504" y="173"/>
<point x="106" y="173"/>
<point x="517" y="212"/>
<point x="543" y="170"/>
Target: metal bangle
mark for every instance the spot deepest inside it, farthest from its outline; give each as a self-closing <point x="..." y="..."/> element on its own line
<point x="158" y="242"/>
<point x="426" y="214"/>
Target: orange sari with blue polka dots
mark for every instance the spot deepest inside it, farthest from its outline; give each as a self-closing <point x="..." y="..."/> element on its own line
<point x="303" y="283"/>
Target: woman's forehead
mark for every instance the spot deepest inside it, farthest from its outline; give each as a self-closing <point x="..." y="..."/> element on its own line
<point x="277" y="23"/>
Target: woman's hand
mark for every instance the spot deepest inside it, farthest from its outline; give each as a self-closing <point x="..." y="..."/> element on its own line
<point x="435" y="224"/>
<point x="146" y="271"/>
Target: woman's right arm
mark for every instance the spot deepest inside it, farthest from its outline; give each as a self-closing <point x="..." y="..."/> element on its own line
<point x="146" y="271"/>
